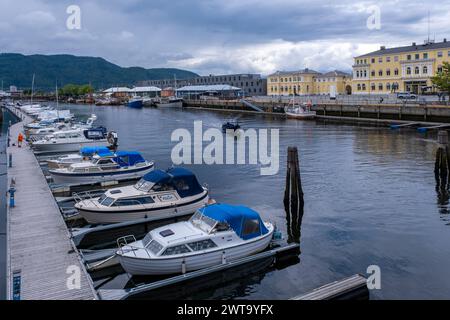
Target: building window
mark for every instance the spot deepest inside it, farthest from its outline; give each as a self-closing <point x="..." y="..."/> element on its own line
<point x="388" y="72"/>
<point x="417" y="56"/>
<point x="416" y="70"/>
<point x="388" y="86"/>
<point x="408" y="57"/>
<point x="365" y="73"/>
<point x="380" y="59"/>
<point x="357" y="74"/>
<point x="372" y="86"/>
<point x="396" y="71"/>
<point x="388" y="59"/>
<point x="439" y="54"/>
<point x="425" y="55"/>
<point x="380" y="73"/>
<point x="396" y="58"/>
<point x="408" y="70"/>
<point x="373" y="73"/>
<point x="364" y="86"/>
<point x="448" y="53"/>
<point x="359" y="86"/>
<point x="380" y="87"/>
<point x="373" y="60"/>
<point x="439" y="69"/>
<point x="425" y="70"/>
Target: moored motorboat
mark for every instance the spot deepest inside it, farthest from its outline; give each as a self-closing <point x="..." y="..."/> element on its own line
<point x="214" y="235"/>
<point x="172" y="102"/>
<point x="73" y="140"/>
<point x="158" y="195"/>
<point x="297" y="111"/>
<point x="85" y="154"/>
<point x="136" y="102"/>
<point x="230" y="126"/>
<point x="123" y="165"/>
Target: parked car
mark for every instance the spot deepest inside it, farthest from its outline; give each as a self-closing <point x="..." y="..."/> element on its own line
<point x="406" y="95"/>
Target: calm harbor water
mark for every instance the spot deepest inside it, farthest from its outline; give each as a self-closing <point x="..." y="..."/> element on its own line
<point x="370" y="199"/>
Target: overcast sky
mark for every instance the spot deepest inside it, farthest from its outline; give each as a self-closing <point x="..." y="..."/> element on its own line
<point x="220" y="36"/>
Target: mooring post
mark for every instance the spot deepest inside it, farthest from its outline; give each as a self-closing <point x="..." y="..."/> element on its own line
<point x="293" y="196"/>
<point x="442" y="163"/>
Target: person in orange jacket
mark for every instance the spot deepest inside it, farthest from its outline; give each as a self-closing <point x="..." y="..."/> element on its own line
<point x="19" y="140"/>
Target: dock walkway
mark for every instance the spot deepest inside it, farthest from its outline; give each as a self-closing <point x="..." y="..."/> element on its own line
<point x="40" y="251"/>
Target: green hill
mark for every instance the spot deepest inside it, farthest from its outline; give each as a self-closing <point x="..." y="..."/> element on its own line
<point x="17" y="69"/>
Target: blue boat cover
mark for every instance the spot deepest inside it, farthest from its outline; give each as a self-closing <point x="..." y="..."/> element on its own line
<point x="181" y="179"/>
<point x="244" y="221"/>
<point x="100" y="150"/>
<point x="128" y="158"/>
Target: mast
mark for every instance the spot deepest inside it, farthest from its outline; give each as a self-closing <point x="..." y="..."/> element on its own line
<point x="57" y="100"/>
<point x="32" y="90"/>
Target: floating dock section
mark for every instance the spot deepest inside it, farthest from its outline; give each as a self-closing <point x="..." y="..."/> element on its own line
<point x="43" y="262"/>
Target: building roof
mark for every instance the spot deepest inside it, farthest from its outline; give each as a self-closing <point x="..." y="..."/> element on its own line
<point x="302" y="71"/>
<point x="206" y="88"/>
<point x="145" y="89"/>
<point x="414" y="47"/>
<point x="117" y="89"/>
<point x="335" y="73"/>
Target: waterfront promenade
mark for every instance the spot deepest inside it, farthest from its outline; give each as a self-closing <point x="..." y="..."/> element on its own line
<point x="40" y="251"/>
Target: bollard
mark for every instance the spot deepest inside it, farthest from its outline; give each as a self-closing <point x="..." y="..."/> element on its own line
<point x="11" y="191"/>
<point x="10" y="160"/>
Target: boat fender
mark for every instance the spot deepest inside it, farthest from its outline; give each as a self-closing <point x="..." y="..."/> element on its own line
<point x="183" y="267"/>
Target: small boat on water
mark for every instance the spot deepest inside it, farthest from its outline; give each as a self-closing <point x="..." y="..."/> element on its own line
<point x="230" y="126"/>
<point x="158" y="195"/>
<point x="73" y="140"/>
<point x="136" y="102"/>
<point x="123" y="165"/>
<point x="215" y="234"/>
<point x="297" y="111"/>
<point x="172" y="102"/>
<point x="85" y="154"/>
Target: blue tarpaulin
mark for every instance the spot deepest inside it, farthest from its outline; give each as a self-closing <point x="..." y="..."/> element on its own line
<point x="240" y="218"/>
<point x="181" y="179"/>
<point x="90" y="151"/>
<point x="128" y="158"/>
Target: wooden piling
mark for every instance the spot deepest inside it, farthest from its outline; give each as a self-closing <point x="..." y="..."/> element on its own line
<point x="442" y="163"/>
<point x="293" y="196"/>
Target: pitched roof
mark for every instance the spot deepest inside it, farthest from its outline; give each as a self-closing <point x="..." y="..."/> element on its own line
<point x="335" y="73"/>
<point x="205" y="88"/>
<point x="302" y="71"/>
<point x="415" y="47"/>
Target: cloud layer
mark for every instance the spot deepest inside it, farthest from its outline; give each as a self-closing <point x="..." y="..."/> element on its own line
<point x="216" y="36"/>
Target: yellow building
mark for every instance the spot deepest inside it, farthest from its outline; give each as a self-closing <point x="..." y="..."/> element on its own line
<point x="306" y="81"/>
<point x="333" y="81"/>
<point x="407" y="68"/>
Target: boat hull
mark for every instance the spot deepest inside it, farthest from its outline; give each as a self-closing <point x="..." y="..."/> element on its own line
<point x="136" y="104"/>
<point x="152" y="214"/>
<point x="309" y="115"/>
<point x="159" y="266"/>
<point x="67" y="147"/>
<point x="75" y="178"/>
<point x="177" y="104"/>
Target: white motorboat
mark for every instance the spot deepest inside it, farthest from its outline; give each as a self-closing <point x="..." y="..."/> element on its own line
<point x="123" y="165"/>
<point x="214" y="235"/>
<point x="297" y="111"/>
<point x="85" y="154"/>
<point x="74" y="140"/>
<point x="39" y="133"/>
<point x="172" y="102"/>
<point x="158" y="195"/>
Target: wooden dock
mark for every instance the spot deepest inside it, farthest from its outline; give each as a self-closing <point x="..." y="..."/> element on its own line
<point x="40" y="251"/>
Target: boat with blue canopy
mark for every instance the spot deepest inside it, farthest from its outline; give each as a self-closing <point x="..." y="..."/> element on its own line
<point x="85" y="154"/>
<point x="158" y="195"/>
<point x="104" y="166"/>
<point x="215" y="234"/>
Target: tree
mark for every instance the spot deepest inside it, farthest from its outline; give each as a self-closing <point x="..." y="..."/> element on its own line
<point x="442" y="79"/>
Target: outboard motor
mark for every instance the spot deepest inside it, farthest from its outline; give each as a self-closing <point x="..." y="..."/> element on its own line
<point x="113" y="139"/>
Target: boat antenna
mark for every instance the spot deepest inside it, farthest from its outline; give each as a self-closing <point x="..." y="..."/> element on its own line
<point x="57" y="100"/>
<point x="32" y="90"/>
<point x="428" y="41"/>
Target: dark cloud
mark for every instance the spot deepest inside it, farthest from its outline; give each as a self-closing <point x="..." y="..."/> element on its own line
<point x="212" y="36"/>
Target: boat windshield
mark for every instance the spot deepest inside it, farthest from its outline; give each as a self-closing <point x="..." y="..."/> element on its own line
<point x="203" y="222"/>
<point x="144" y="185"/>
<point x="105" y="200"/>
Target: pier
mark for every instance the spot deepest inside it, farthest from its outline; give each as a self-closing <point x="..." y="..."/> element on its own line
<point x="42" y="259"/>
